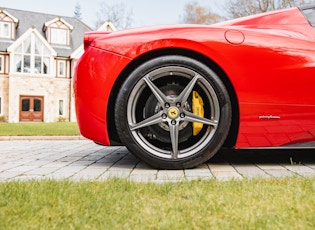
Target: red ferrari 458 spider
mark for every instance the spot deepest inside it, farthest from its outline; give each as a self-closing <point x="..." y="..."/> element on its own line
<point x="175" y="95"/>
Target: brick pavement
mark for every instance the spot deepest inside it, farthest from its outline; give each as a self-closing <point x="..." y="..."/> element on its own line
<point x="84" y="160"/>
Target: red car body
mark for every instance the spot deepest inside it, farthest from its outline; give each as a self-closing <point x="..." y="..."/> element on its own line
<point x="267" y="60"/>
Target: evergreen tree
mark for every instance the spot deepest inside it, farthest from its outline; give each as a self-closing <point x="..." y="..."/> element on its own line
<point x="77" y="11"/>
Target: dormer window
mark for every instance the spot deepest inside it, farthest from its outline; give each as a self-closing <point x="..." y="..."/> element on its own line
<point x="59" y="36"/>
<point x="8" y="24"/>
<point x="5" y="30"/>
<point x="58" y="32"/>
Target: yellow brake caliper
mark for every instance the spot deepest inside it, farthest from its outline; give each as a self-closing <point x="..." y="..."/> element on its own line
<point x="197" y="109"/>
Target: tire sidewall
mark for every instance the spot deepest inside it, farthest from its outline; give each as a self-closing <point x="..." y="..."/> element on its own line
<point x="209" y="149"/>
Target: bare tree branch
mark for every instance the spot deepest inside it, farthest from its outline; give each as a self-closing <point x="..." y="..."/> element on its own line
<point x="197" y="14"/>
<point x="241" y="8"/>
<point x="117" y="14"/>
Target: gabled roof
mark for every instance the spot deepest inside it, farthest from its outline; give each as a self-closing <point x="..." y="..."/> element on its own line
<point x="36" y="20"/>
<point x="28" y="33"/>
<point x="107" y="26"/>
<point x="14" y="19"/>
<point x="57" y="20"/>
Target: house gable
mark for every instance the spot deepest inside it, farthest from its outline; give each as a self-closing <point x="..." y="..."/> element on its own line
<point x="107" y="26"/>
<point x="42" y="22"/>
<point x="8" y="25"/>
<point x="32" y="54"/>
<point x="58" y="31"/>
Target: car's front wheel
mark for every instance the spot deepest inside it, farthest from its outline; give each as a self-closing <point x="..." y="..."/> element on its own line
<point x="173" y="112"/>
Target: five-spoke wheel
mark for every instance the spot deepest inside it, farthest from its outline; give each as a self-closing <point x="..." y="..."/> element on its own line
<point x="173" y="112"/>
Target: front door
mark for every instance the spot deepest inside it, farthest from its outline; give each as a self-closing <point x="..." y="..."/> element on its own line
<point x="31" y="108"/>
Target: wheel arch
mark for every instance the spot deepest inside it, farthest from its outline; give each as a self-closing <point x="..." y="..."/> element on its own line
<point x="232" y="136"/>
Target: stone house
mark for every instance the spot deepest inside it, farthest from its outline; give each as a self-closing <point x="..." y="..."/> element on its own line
<point x="38" y="53"/>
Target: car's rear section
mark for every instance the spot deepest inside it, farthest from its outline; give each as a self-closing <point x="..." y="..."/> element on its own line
<point x="94" y="77"/>
<point x="175" y="94"/>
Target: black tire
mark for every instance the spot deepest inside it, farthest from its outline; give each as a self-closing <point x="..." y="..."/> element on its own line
<point x="154" y="118"/>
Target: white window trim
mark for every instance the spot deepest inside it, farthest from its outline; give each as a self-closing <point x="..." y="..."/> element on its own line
<point x="57" y="38"/>
<point x="61" y="103"/>
<point x="1" y="64"/>
<point x="64" y="74"/>
<point x="2" y="35"/>
<point x="16" y="44"/>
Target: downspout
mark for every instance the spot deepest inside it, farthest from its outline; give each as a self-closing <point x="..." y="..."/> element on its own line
<point x="70" y="88"/>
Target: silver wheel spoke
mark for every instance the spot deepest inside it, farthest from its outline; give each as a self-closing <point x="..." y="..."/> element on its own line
<point x="174" y="139"/>
<point x="160" y="117"/>
<point x="156" y="91"/>
<point x="194" y="118"/>
<point x="155" y="119"/>
<point x="183" y="97"/>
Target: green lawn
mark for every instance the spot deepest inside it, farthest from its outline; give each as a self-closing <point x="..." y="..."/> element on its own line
<point x="39" y="129"/>
<point x="287" y="203"/>
<point x="118" y="204"/>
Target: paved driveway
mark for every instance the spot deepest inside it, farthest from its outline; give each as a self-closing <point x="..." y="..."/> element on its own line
<point x="84" y="160"/>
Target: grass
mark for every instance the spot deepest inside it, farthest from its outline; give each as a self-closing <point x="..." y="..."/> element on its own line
<point x="119" y="204"/>
<point x="39" y="129"/>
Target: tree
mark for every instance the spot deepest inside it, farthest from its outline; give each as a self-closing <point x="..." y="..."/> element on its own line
<point x="241" y="8"/>
<point x="197" y="14"/>
<point x="116" y="14"/>
<point x="77" y="11"/>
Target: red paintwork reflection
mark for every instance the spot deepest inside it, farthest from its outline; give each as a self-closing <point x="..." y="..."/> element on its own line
<point x="92" y="86"/>
<point x="272" y="71"/>
<point x="295" y="125"/>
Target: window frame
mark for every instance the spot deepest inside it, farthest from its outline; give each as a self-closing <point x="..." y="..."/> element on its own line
<point x="2" y="64"/>
<point x="2" y="24"/>
<point x="29" y="55"/>
<point x="64" y="64"/>
<point x="61" y="107"/>
<point x="55" y="34"/>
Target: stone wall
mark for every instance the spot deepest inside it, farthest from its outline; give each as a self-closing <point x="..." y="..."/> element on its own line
<point x="51" y="88"/>
<point x="4" y="94"/>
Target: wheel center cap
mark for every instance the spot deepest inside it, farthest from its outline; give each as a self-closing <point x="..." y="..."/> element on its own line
<point x="173" y="113"/>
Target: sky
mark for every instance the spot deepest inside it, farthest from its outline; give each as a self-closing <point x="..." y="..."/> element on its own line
<point x="145" y="12"/>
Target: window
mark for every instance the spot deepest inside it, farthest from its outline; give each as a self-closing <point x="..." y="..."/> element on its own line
<point x="58" y="31"/>
<point x="26" y="105"/>
<point x="60" y="107"/>
<point x="8" y="23"/>
<point x="1" y="64"/>
<point x="5" y="29"/>
<point x="37" y="105"/>
<point x="61" y="68"/>
<point x="31" y="56"/>
<point x="59" y="36"/>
